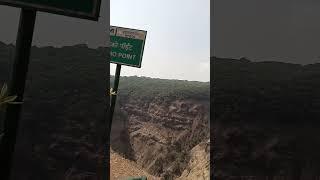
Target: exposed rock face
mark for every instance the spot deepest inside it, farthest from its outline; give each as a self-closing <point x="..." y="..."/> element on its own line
<point x="122" y="168"/>
<point x="162" y="132"/>
<point x="199" y="164"/>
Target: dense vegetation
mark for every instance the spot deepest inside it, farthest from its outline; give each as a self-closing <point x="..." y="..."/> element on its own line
<point x="266" y="118"/>
<point x="149" y="88"/>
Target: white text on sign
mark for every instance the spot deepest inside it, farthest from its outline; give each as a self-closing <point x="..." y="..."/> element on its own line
<point x="125" y="46"/>
<point x="123" y="55"/>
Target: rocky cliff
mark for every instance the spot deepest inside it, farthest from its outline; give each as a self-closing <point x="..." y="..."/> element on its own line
<point x="159" y="133"/>
<point x="122" y="168"/>
<point x="199" y="165"/>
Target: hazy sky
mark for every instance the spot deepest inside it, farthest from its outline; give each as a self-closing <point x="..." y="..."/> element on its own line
<point x="178" y="39"/>
<point x="281" y="30"/>
<point x="178" y="36"/>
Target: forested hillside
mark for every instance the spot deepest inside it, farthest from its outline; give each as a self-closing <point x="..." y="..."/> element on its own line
<point x="149" y="88"/>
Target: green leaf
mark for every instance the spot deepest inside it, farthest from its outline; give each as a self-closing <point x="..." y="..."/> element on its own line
<point x="4" y="90"/>
<point x="8" y="99"/>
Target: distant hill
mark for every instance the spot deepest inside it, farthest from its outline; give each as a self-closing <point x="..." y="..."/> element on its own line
<point x="149" y="88"/>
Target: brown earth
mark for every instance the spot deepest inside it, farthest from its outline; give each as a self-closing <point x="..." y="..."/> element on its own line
<point x="199" y="164"/>
<point x="122" y="168"/>
<point x="160" y="135"/>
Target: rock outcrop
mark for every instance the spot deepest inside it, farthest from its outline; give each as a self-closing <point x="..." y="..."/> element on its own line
<point x="199" y="164"/>
<point x="162" y="133"/>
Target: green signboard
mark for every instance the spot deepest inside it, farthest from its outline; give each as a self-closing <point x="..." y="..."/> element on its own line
<point x="127" y="46"/>
<point x="85" y="9"/>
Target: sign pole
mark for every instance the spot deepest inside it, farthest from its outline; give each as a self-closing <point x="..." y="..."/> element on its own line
<point x="114" y="96"/>
<point x="16" y="87"/>
<point x="112" y="106"/>
<point x="127" y="46"/>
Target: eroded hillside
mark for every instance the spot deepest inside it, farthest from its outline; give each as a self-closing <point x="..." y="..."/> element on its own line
<point x="159" y="132"/>
<point x="122" y="168"/>
<point x="199" y="164"/>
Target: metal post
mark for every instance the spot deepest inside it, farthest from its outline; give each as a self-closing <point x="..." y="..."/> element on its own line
<point x="111" y="110"/>
<point x="16" y="87"/>
<point x="114" y="96"/>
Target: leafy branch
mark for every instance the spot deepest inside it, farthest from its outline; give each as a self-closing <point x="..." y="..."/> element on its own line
<point x="6" y="99"/>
